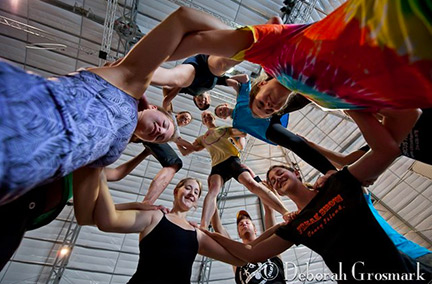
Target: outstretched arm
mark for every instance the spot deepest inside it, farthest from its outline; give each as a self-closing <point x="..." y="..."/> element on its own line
<point x="210" y="248"/>
<point x="86" y="187"/>
<point x="241" y="78"/>
<point x="269" y="217"/>
<point x="118" y="173"/>
<point x="169" y="94"/>
<point x="219" y="228"/>
<point x="236" y="81"/>
<point x="217" y="224"/>
<point x="108" y="219"/>
<point x="339" y="160"/>
<point x="383" y="139"/>
<point x="233" y="84"/>
<point x="237" y="133"/>
<point x="267" y="247"/>
<point x="186" y="147"/>
<point x="93" y="204"/>
<point x="285" y="138"/>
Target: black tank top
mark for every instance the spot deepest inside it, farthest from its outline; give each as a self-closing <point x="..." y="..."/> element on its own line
<point x="166" y="255"/>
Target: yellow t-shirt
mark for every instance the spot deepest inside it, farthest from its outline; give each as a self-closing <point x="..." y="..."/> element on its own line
<point x="217" y="142"/>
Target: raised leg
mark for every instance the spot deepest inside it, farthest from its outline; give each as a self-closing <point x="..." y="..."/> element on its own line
<point x="180" y="76"/>
<point x="262" y="192"/>
<point x="133" y="74"/>
<point x="215" y="183"/>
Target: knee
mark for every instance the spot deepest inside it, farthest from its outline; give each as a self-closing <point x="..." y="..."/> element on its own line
<point x="213" y="190"/>
<point x="178" y="165"/>
<point x="183" y="15"/>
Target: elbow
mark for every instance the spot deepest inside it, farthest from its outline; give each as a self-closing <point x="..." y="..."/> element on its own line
<point x="390" y="150"/>
<point x="83" y="221"/>
<point x="414" y="114"/>
<point x="394" y="151"/>
<point x="105" y="226"/>
<point x="114" y="178"/>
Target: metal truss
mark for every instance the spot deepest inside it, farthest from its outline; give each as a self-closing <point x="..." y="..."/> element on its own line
<point x="62" y="260"/>
<point x="54" y="40"/>
<point x="299" y="11"/>
<point x="108" y="29"/>
<point x="126" y="27"/>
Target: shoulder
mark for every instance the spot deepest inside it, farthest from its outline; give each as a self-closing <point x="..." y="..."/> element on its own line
<point x="244" y="90"/>
<point x="148" y="219"/>
<point x="154" y="215"/>
<point x="225" y="130"/>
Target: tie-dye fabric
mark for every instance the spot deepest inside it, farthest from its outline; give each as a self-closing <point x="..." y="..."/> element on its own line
<point x="366" y="54"/>
<point x="50" y="127"/>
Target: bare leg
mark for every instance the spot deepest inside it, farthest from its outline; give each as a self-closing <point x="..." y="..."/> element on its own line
<point x="180" y="76"/>
<point x="268" y="197"/>
<point x="214" y="43"/>
<point x="133" y="74"/>
<point x="219" y="65"/>
<point x="215" y="183"/>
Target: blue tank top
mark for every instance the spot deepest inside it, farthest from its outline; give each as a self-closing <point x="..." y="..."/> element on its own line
<point x="244" y="121"/>
<point x="51" y="127"/>
<point x="406" y="246"/>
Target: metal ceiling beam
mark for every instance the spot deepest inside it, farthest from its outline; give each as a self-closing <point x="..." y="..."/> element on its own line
<point x="61" y="261"/>
<point x="400" y="218"/>
<point x="76" y="10"/>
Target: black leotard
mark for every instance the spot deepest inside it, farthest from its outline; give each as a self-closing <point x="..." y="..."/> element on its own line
<point x="166" y="255"/>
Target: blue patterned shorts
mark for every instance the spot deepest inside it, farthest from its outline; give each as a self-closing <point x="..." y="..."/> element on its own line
<point x="51" y="127"/>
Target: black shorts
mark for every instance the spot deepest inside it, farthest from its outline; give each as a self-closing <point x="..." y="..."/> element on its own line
<point x="165" y="155"/>
<point x="204" y="79"/>
<point x="230" y="168"/>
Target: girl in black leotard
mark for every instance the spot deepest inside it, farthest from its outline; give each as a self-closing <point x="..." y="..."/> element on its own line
<point x="168" y="243"/>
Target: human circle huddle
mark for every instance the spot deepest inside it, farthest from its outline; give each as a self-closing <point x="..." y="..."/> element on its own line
<point x="60" y="135"/>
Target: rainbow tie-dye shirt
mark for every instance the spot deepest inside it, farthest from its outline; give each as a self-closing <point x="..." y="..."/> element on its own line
<point x="365" y="55"/>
